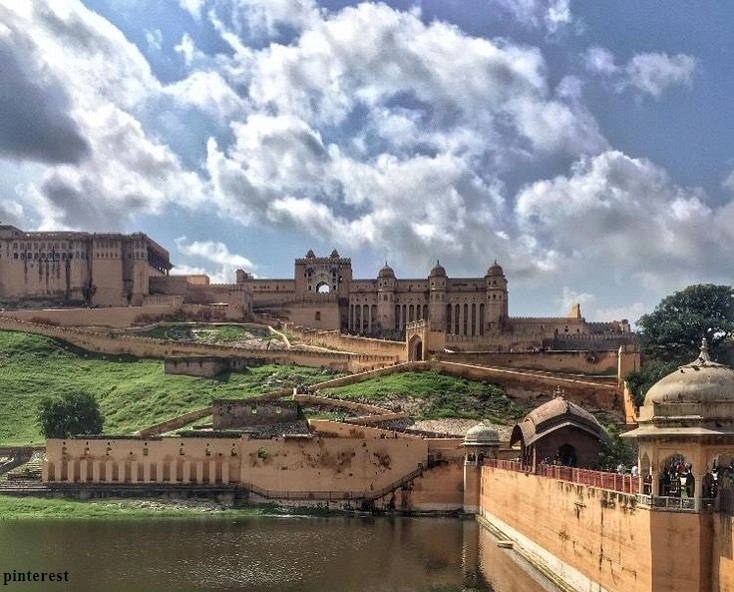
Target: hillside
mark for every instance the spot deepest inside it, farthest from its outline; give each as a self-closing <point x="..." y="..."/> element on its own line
<point x="133" y="393"/>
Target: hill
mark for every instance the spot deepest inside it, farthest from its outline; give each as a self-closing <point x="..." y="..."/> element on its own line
<point x="134" y="393"/>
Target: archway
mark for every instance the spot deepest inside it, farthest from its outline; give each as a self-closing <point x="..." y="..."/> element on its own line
<point x="415" y="348"/>
<point x="567" y="455"/>
<point x="323" y="288"/>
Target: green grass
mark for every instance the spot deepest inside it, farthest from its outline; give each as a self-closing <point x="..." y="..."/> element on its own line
<point x="209" y="333"/>
<point x="24" y="508"/>
<point x="133" y="393"/>
<point x="438" y="396"/>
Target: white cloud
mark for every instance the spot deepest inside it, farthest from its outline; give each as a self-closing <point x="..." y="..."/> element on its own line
<point x="623" y="214"/>
<point x="551" y="15"/>
<point x="108" y="83"/>
<point x="653" y="73"/>
<point x="570" y="298"/>
<point x="215" y="253"/>
<point x="647" y="73"/>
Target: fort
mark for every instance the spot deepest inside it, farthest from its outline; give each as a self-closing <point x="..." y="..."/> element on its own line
<point x="668" y="525"/>
<point x="39" y="270"/>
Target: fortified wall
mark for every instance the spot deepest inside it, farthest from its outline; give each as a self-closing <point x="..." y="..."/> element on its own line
<point x="116" y="344"/>
<point x="287" y="468"/>
<point x="594" y="538"/>
<point x="339" y="341"/>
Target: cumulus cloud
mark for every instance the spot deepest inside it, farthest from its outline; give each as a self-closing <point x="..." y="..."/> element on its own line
<point x="220" y="263"/>
<point x="36" y="122"/>
<point x="105" y="83"/>
<point x="358" y="134"/>
<point x="647" y="73"/>
<point x="627" y="215"/>
<point x="551" y="15"/>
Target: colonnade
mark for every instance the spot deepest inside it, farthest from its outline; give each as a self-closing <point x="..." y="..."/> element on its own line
<point x="136" y="471"/>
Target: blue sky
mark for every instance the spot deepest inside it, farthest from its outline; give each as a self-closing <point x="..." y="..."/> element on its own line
<point x="586" y="146"/>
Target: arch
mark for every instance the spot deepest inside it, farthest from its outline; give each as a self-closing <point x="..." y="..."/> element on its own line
<point x="567" y="455"/>
<point x="415" y="349"/>
<point x="323" y="288"/>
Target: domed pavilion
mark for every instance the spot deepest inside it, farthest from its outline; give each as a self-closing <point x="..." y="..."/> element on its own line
<point x="685" y="435"/>
<point x="559" y="431"/>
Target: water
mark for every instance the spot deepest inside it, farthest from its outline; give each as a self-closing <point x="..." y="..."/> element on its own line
<point x="335" y="554"/>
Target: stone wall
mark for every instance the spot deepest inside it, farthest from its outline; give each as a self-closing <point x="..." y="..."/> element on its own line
<point x="584" y="392"/>
<point x="112" y="316"/>
<point x="584" y="362"/>
<point x="337" y="340"/>
<point x="284" y="467"/>
<point x="723" y="553"/>
<point x="114" y="343"/>
<point x="597" y="539"/>
<point x="229" y="413"/>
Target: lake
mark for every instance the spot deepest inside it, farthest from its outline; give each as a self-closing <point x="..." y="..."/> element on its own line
<point x="259" y="554"/>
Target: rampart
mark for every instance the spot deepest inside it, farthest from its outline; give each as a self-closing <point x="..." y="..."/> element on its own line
<point x="351" y="343"/>
<point x="229" y="413"/>
<point x="584" y="362"/>
<point x="592" y="538"/>
<point x="333" y="468"/>
<point x="116" y="344"/>
<point x="585" y="392"/>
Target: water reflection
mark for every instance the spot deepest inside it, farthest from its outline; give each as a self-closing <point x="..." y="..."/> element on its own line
<point x="263" y="554"/>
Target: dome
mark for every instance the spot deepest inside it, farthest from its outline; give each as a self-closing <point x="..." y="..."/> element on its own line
<point x="386" y="272"/>
<point x="438" y="271"/>
<point x="696" y="392"/>
<point x="495" y="269"/>
<point x="482" y="435"/>
<point x="556" y="414"/>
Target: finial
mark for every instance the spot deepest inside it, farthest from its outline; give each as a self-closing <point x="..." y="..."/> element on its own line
<point x="704" y="355"/>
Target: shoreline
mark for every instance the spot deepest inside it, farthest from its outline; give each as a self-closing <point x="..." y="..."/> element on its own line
<point x="30" y="508"/>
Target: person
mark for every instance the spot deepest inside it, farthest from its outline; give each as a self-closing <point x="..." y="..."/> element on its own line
<point x="635" y="471"/>
<point x="690" y="483"/>
<point x="621" y="468"/>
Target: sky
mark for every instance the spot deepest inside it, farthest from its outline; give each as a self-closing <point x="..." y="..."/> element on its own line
<point x="587" y="147"/>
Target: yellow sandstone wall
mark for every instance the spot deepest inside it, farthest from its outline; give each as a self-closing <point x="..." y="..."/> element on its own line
<point x="113" y="343"/>
<point x="336" y="340"/>
<point x="723" y="553"/>
<point x="585" y="534"/>
<point x="603" y="362"/>
<point x="278" y="465"/>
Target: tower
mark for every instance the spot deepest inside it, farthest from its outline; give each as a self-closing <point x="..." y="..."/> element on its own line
<point x="497" y="306"/>
<point x="386" y="298"/>
<point x="437" y="298"/>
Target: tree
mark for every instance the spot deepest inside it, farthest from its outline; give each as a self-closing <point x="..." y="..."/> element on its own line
<point x="616" y="452"/>
<point x="69" y="415"/>
<point x="674" y="330"/>
<point x="641" y="380"/>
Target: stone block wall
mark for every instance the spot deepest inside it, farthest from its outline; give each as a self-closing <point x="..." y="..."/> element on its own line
<point x="593" y="538"/>
<point x="229" y="413"/>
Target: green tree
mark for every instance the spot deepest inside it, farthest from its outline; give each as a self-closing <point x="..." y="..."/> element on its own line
<point x="618" y="451"/>
<point x="641" y="380"/>
<point x="674" y="330"/>
<point x="71" y="414"/>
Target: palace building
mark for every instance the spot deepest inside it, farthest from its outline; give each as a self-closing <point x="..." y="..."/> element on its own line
<point x="66" y="269"/>
<point x="105" y="269"/>
<point x="468" y="313"/>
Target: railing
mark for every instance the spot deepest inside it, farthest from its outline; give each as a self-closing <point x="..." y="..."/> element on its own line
<point x="622" y="483"/>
